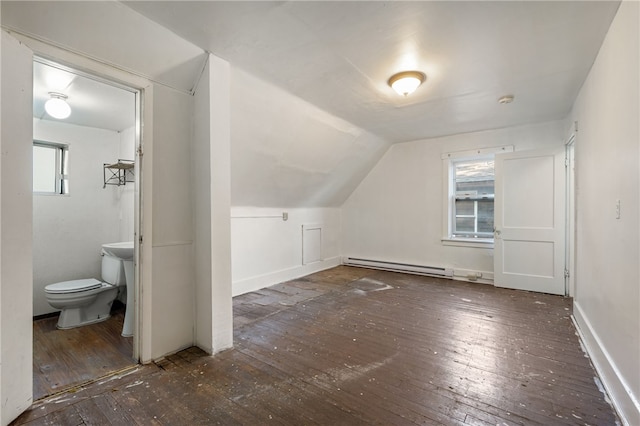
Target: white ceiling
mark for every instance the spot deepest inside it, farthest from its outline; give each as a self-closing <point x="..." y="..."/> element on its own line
<point x="93" y="103"/>
<point x="339" y="56"/>
<point x="113" y="34"/>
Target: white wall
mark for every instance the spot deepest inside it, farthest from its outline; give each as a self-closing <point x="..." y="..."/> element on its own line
<point x="212" y="193"/>
<point x="68" y="230"/>
<point x="201" y="175"/>
<point x="288" y="155"/>
<point x="267" y="250"/>
<point x="395" y="214"/>
<point x="607" y="299"/>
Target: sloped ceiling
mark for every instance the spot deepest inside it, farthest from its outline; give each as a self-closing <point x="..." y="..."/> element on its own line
<point x="286" y="152"/>
<point x="339" y="56"/>
<point x="109" y="32"/>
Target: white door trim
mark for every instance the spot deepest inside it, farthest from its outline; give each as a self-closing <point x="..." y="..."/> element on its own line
<point x="143" y="223"/>
<point x="570" y="214"/>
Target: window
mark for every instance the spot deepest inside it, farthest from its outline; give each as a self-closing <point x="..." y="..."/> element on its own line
<point x="50" y="168"/>
<point x="469" y="179"/>
<point x="473" y="200"/>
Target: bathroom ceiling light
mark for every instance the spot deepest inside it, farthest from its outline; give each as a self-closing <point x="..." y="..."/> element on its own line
<point x="507" y="99"/>
<point x="57" y="106"/>
<point x="406" y="82"/>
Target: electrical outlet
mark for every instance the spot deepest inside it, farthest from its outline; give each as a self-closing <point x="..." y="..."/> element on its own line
<point x="617" y="209"/>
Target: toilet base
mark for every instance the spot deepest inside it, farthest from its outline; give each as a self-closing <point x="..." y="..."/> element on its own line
<point x="99" y="310"/>
<point x="70" y="320"/>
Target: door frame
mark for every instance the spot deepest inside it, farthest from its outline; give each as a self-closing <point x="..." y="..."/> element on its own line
<point x="570" y="212"/>
<point x="143" y="184"/>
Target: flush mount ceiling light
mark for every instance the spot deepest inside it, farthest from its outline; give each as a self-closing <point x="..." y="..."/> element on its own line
<point x="57" y="106"/>
<point x="406" y="82"/>
<point x="507" y="99"/>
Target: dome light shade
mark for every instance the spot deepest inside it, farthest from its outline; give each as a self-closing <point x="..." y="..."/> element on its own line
<point x="506" y="99"/>
<point x="57" y="106"/>
<point x="406" y="82"/>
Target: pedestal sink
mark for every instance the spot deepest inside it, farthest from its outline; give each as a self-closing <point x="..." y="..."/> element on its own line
<point x="124" y="251"/>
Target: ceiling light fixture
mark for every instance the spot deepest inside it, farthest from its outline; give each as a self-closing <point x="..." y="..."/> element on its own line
<point x="57" y="106"/>
<point x="507" y="99"/>
<point x="406" y="82"/>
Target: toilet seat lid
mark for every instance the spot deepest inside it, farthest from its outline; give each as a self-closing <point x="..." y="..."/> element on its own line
<point x="73" y="286"/>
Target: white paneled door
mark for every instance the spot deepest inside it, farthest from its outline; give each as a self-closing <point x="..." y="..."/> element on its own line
<point x="529" y="221"/>
<point x="16" y="193"/>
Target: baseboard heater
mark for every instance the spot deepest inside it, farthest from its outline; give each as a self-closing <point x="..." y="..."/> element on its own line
<point x="399" y="267"/>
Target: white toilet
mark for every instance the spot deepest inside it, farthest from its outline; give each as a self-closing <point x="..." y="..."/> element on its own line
<point x="87" y="301"/>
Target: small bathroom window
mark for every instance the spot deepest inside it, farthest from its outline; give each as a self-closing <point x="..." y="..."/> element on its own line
<point x="50" y="168"/>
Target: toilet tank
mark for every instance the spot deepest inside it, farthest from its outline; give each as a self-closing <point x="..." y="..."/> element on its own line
<point x="113" y="270"/>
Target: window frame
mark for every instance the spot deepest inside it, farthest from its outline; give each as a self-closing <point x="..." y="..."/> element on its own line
<point x="62" y="163"/>
<point x="449" y="194"/>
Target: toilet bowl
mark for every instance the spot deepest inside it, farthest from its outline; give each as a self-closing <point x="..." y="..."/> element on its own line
<point x="87" y="301"/>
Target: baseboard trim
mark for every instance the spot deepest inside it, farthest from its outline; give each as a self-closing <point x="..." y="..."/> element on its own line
<point x="261" y="281"/>
<point x="47" y="315"/>
<point x="620" y="394"/>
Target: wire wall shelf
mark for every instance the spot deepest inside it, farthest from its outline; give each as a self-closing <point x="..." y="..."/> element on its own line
<point x="118" y="173"/>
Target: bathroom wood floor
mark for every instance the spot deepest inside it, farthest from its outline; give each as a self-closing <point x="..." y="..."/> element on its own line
<point x="66" y="358"/>
<point x="351" y="346"/>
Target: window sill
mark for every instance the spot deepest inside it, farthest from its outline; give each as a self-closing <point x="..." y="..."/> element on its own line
<point x="468" y="242"/>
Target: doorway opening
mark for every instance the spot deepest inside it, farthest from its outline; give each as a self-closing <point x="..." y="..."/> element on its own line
<point x="76" y="225"/>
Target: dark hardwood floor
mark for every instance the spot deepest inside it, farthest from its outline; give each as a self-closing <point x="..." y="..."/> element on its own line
<point x="352" y="346"/>
<point x="66" y="358"/>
